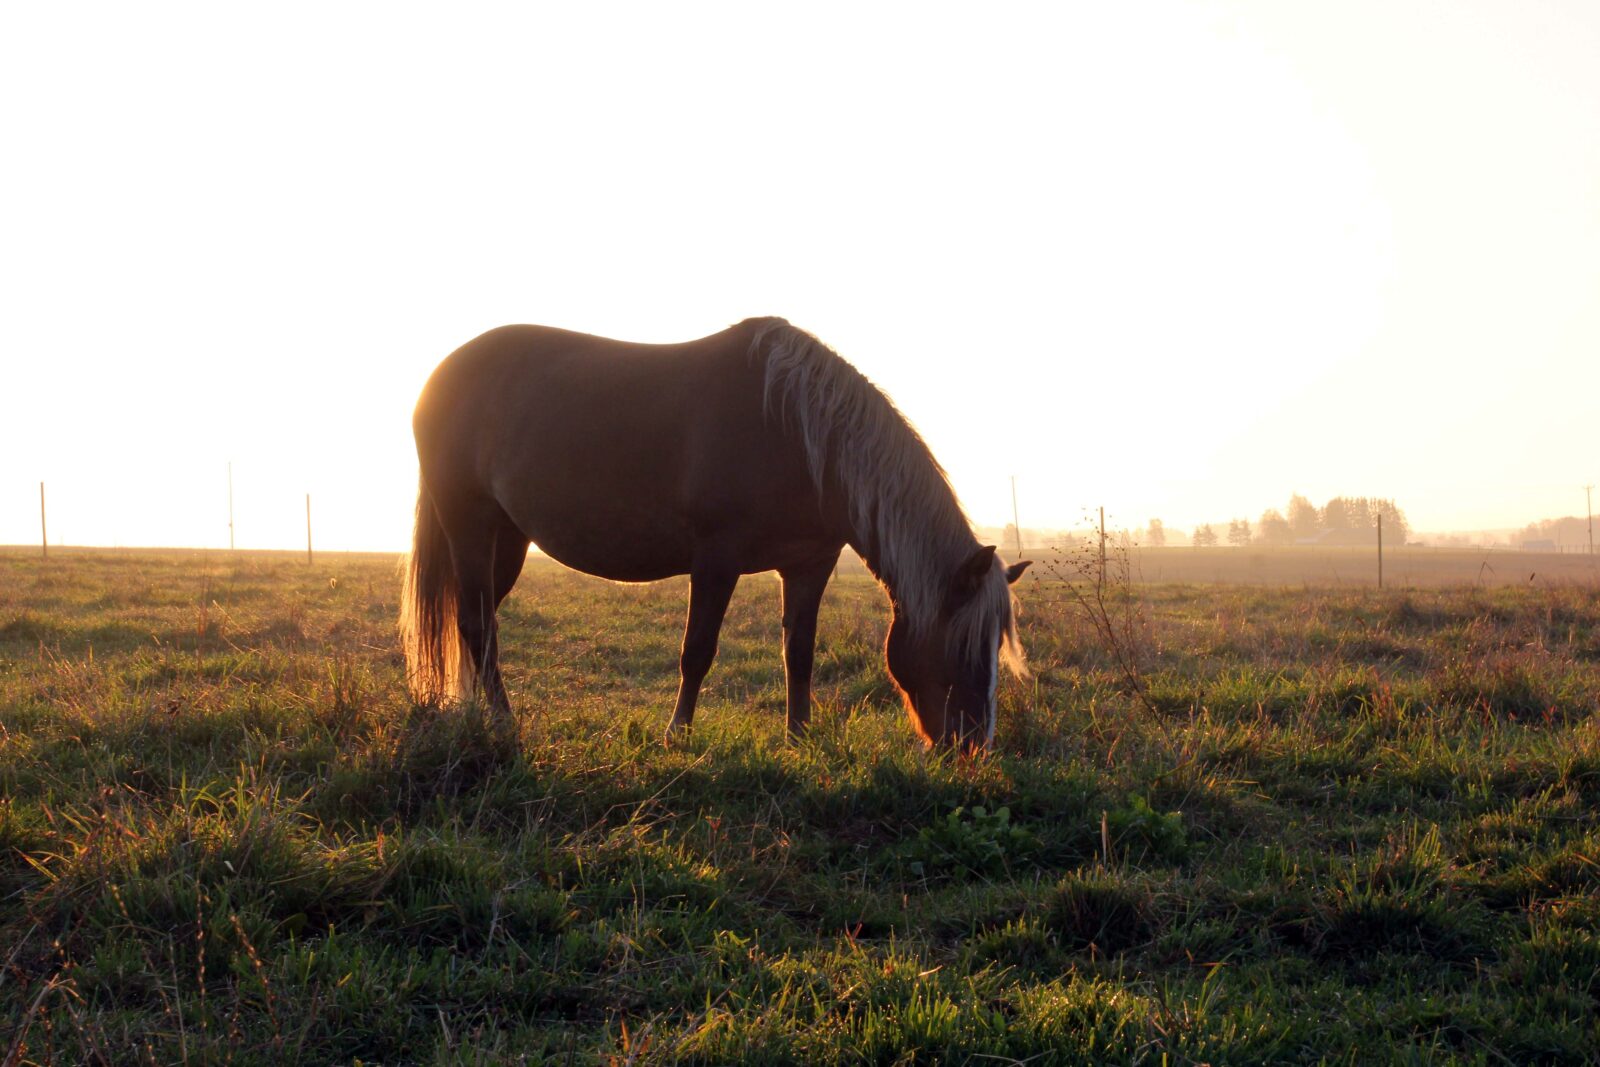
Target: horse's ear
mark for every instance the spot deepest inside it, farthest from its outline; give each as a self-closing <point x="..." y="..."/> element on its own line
<point x="1014" y="571"/>
<point x="969" y="579"/>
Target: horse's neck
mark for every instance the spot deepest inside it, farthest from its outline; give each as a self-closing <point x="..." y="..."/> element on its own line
<point x="912" y="570"/>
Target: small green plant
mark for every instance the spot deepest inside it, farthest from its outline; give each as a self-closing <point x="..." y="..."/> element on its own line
<point x="976" y="840"/>
<point x="1140" y="832"/>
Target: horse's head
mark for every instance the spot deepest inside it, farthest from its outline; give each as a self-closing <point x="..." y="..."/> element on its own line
<point x="948" y="669"/>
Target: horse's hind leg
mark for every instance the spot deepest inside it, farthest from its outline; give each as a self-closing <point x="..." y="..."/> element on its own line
<point x="710" y="589"/>
<point x="488" y="552"/>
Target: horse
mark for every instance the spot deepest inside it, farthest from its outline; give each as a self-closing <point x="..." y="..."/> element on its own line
<point x="754" y="449"/>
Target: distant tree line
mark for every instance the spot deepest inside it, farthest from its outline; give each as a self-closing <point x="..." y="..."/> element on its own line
<point x="1568" y="530"/>
<point x="1349" y="520"/>
<point x="1342" y="520"/>
<point x="1346" y="518"/>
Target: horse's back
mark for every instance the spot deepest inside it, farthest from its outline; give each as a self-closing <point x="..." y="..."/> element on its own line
<point x="614" y="457"/>
<point x="521" y="391"/>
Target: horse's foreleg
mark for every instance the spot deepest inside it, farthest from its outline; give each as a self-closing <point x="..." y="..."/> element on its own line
<point x="802" y="597"/>
<point x="709" y="593"/>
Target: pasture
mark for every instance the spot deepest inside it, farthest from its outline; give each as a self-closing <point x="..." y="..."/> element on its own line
<point x="1403" y="567"/>
<point x="1341" y="825"/>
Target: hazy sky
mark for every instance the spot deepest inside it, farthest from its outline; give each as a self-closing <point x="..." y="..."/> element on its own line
<point x="1177" y="259"/>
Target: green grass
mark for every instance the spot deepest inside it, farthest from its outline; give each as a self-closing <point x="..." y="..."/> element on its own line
<point x="1359" y="827"/>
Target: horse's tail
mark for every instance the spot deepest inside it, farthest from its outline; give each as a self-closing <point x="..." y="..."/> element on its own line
<point x="437" y="666"/>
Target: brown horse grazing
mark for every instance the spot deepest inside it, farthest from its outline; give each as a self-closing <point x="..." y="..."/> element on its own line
<point x="754" y="449"/>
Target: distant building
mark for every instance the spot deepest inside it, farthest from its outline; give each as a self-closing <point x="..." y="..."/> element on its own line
<point x="1347" y="536"/>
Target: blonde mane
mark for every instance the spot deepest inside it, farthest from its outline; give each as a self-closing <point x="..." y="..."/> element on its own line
<point x="898" y="498"/>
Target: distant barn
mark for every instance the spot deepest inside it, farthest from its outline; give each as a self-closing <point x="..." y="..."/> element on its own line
<point x="1342" y="537"/>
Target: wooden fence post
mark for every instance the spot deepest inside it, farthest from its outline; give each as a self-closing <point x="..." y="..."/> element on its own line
<point x="1016" y="521"/>
<point x="1380" y="550"/>
<point x="1102" y="547"/>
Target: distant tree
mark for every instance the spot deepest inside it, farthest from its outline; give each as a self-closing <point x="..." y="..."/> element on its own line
<point x="1304" y="519"/>
<point x="1395" y="527"/>
<point x="1205" y="536"/>
<point x="1156" y="534"/>
<point x="1274" y="528"/>
<point x="1239" y="532"/>
<point x="1360" y="513"/>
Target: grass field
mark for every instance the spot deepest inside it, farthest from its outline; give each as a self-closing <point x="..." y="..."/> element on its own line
<point x="1350" y="826"/>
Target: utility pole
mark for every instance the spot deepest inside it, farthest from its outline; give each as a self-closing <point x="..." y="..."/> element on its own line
<point x="44" y="538"/>
<point x="1016" y="523"/>
<point x="230" y="505"/>
<point x="308" y="529"/>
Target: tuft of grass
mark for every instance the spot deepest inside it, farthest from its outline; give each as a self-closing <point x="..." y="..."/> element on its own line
<point x="1098" y="913"/>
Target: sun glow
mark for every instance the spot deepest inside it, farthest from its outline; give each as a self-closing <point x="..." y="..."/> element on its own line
<point x="1180" y="261"/>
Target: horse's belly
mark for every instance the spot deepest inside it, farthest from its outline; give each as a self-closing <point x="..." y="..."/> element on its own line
<point x="612" y="544"/>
